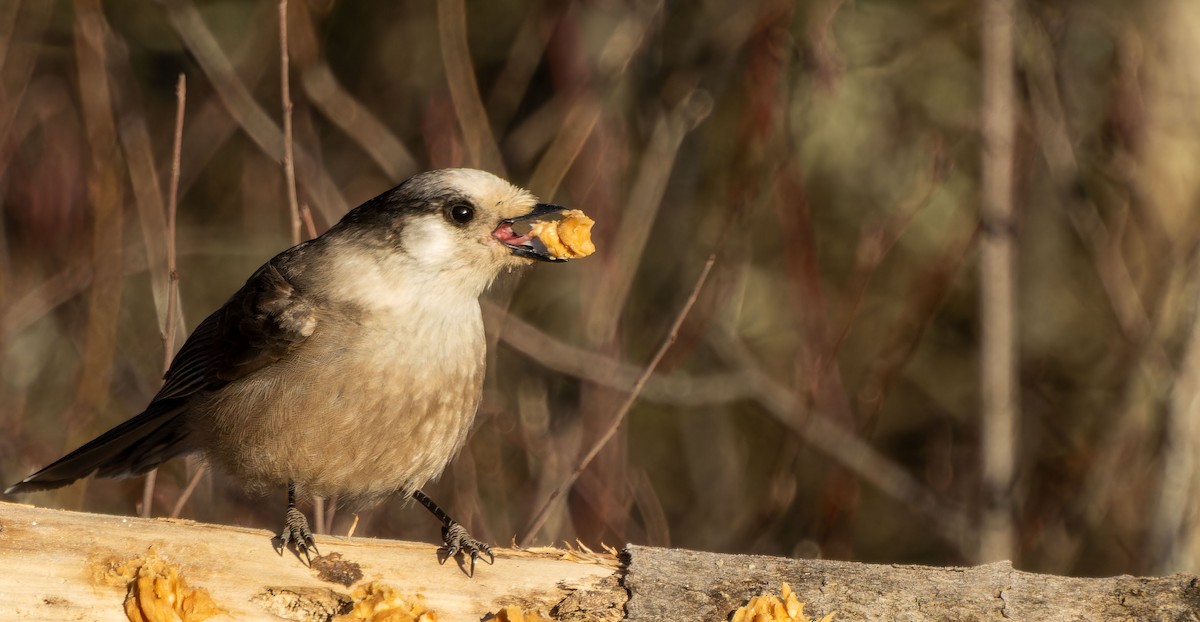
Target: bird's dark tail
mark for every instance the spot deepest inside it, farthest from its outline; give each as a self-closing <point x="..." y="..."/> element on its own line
<point x="132" y="448"/>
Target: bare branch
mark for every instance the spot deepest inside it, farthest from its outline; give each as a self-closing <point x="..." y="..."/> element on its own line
<point x="482" y="151"/>
<point x="172" y="267"/>
<point x="540" y="517"/>
<point x="199" y="40"/>
<point x="285" y="88"/>
<point x="998" y="285"/>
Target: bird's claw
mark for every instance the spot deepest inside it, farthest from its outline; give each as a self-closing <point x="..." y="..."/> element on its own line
<point x="296" y="531"/>
<point x="456" y="539"/>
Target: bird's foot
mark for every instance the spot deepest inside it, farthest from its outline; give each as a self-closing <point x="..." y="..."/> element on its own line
<point x="456" y="540"/>
<point x="297" y="532"/>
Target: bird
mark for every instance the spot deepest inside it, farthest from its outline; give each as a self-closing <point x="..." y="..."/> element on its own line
<point x="351" y="364"/>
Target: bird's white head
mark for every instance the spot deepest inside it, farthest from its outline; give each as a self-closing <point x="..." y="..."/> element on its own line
<point x="453" y="225"/>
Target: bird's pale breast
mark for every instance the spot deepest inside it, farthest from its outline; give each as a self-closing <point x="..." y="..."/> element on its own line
<point x="361" y="409"/>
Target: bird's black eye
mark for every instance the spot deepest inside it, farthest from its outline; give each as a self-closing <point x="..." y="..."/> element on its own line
<point x="461" y="213"/>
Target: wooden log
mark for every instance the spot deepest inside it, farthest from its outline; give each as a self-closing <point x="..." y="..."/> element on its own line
<point x="689" y="585"/>
<point x="58" y="565"/>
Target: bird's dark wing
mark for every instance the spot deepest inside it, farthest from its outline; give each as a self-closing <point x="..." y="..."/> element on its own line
<point x="264" y="321"/>
<point x="260" y="324"/>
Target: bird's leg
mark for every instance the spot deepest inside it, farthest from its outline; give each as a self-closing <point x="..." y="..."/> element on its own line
<point x="454" y="535"/>
<point x="295" y="528"/>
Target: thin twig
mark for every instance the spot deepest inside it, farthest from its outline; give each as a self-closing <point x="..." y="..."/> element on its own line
<point x="171" y="326"/>
<point x="310" y="227"/>
<point x="482" y="150"/>
<point x="927" y="291"/>
<point x="148" y="493"/>
<point x="105" y="198"/>
<point x="172" y="208"/>
<point x="814" y="428"/>
<point x="1058" y="149"/>
<point x="170" y="323"/>
<point x="1171" y="532"/>
<point x="187" y="492"/>
<point x="822" y="433"/>
<point x="330" y="514"/>
<point x="587" y="108"/>
<point x="212" y="126"/>
<point x="645" y="200"/>
<point x="539" y="519"/>
<point x="675" y="388"/>
<point x="18" y="58"/>
<point x="241" y="105"/>
<point x="139" y="158"/>
<point x="524" y="56"/>
<point x="76" y="278"/>
<point x="878" y="244"/>
<point x="289" y="167"/>
<point x="327" y="95"/>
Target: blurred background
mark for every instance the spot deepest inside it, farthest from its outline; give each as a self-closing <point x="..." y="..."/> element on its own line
<point x="823" y="397"/>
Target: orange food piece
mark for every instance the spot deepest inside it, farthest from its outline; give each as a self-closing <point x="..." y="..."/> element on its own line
<point x="569" y="238"/>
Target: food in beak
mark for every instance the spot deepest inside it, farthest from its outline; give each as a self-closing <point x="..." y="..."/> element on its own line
<point x="569" y="238"/>
<point x="550" y="233"/>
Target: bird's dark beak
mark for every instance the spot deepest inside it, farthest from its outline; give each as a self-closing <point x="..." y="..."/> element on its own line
<point x="514" y="232"/>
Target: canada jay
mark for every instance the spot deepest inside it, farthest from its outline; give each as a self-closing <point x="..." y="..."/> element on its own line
<point x="348" y="365"/>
